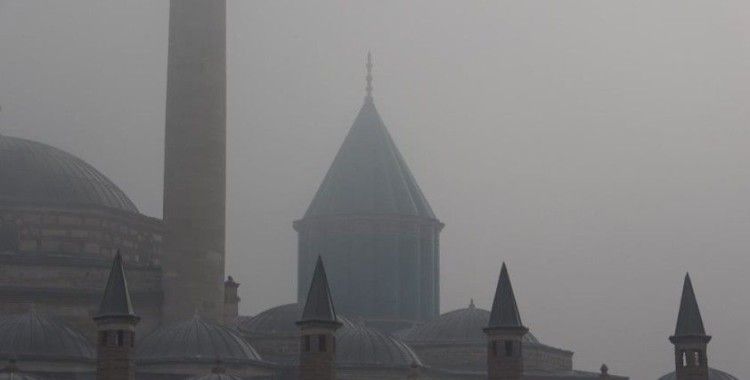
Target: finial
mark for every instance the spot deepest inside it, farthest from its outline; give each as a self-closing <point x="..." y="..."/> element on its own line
<point x="369" y="76"/>
<point x="471" y="304"/>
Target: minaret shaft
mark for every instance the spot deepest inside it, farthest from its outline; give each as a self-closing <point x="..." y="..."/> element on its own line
<point x="195" y="160"/>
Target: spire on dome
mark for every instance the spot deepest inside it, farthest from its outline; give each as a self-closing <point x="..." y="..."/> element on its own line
<point x="319" y="305"/>
<point x="689" y="321"/>
<point x="504" y="309"/>
<point x="116" y="300"/>
<point x="368" y="98"/>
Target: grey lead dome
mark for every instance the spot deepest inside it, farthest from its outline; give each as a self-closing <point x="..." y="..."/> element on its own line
<point x="33" y="173"/>
<point x="195" y="340"/>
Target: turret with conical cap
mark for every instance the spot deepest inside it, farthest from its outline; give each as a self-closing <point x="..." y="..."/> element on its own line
<point x="505" y="333"/>
<point x="386" y="267"/>
<point x="690" y="339"/>
<point x="317" y="327"/>
<point x="116" y="323"/>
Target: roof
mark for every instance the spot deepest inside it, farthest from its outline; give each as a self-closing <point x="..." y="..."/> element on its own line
<point x="504" y="311"/>
<point x="361" y="346"/>
<point x="33" y="335"/>
<point x="368" y="175"/>
<point x="713" y="374"/>
<point x="116" y="299"/>
<point x="319" y="305"/>
<point x="195" y="340"/>
<point x="457" y="326"/>
<point x="276" y="321"/>
<point x="38" y="174"/>
<point x="689" y="321"/>
<point x="356" y="345"/>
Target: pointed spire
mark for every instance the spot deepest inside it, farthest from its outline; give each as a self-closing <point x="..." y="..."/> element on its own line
<point x="689" y="321"/>
<point x="116" y="300"/>
<point x="319" y="305"/>
<point x="471" y="304"/>
<point x="368" y="98"/>
<point x="504" y="309"/>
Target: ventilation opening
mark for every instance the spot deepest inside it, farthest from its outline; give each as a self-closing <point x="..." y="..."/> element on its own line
<point x="508" y="348"/>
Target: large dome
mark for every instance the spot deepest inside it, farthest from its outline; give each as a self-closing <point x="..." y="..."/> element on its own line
<point x="195" y="340"/>
<point x="276" y="321"/>
<point x="457" y="326"/>
<point x="36" y="336"/>
<point x="713" y="374"/>
<point x="37" y="174"/>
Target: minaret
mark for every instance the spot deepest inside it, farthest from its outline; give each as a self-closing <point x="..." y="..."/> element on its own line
<point x="375" y="229"/>
<point x="505" y="333"/>
<point x="195" y="161"/>
<point x="317" y="328"/>
<point x="690" y="339"/>
<point x="115" y="322"/>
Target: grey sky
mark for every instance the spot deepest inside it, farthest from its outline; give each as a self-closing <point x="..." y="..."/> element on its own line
<point x="599" y="147"/>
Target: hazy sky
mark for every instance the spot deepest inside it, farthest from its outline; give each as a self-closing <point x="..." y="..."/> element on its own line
<point x="601" y="148"/>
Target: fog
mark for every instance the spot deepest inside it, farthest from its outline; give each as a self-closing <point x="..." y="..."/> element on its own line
<point x="599" y="148"/>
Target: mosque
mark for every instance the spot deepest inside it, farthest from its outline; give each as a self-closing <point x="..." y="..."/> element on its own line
<point x="93" y="289"/>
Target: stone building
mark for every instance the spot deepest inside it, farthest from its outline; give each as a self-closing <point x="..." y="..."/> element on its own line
<point x="373" y="226"/>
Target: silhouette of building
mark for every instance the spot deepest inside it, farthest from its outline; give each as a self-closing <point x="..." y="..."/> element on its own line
<point x="375" y="229"/>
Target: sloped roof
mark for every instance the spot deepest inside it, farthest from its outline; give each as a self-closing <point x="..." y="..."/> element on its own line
<point x="195" y="340"/>
<point x="457" y="326"/>
<point x="319" y="304"/>
<point x="38" y="336"/>
<point x="713" y="374"/>
<point x="116" y="299"/>
<point x="369" y="176"/>
<point x="39" y="174"/>
<point x="689" y="321"/>
<point x="504" y="311"/>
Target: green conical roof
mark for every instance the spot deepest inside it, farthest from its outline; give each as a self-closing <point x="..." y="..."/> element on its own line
<point x="116" y="299"/>
<point x="689" y="321"/>
<point x="319" y="304"/>
<point x="504" y="308"/>
<point x="369" y="175"/>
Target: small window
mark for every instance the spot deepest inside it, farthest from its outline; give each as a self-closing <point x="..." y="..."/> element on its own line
<point x="322" y="343"/>
<point x="508" y="348"/>
<point x="333" y="344"/>
<point x="132" y="339"/>
<point x="683" y="355"/>
<point x="697" y="358"/>
<point x="102" y="338"/>
<point x="306" y="343"/>
<point x="120" y="338"/>
<point x="493" y="347"/>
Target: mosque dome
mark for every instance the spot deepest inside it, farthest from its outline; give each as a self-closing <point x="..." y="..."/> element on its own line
<point x="35" y="336"/>
<point x="277" y="321"/>
<point x="356" y="345"/>
<point x="195" y="340"/>
<point x="713" y="374"/>
<point x="38" y="174"/>
<point x="457" y="326"/>
<point x="361" y="346"/>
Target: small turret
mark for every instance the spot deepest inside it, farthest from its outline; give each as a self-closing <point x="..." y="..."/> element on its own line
<point x="116" y="323"/>
<point x="231" y="302"/>
<point x="317" y="328"/>
<point x="505" y="333"/>
<point x="690" y="339"/>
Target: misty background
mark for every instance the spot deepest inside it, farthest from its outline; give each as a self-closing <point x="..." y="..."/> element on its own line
<point x="600" y="148"/>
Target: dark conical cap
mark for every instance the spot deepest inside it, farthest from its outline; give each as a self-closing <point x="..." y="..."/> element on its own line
<point x="369" y="176"/>
<point x="504" y="309"/>
<point x="116" y="300"/>
<point x="689" y="321"/>
<point x="319" y="305"/>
